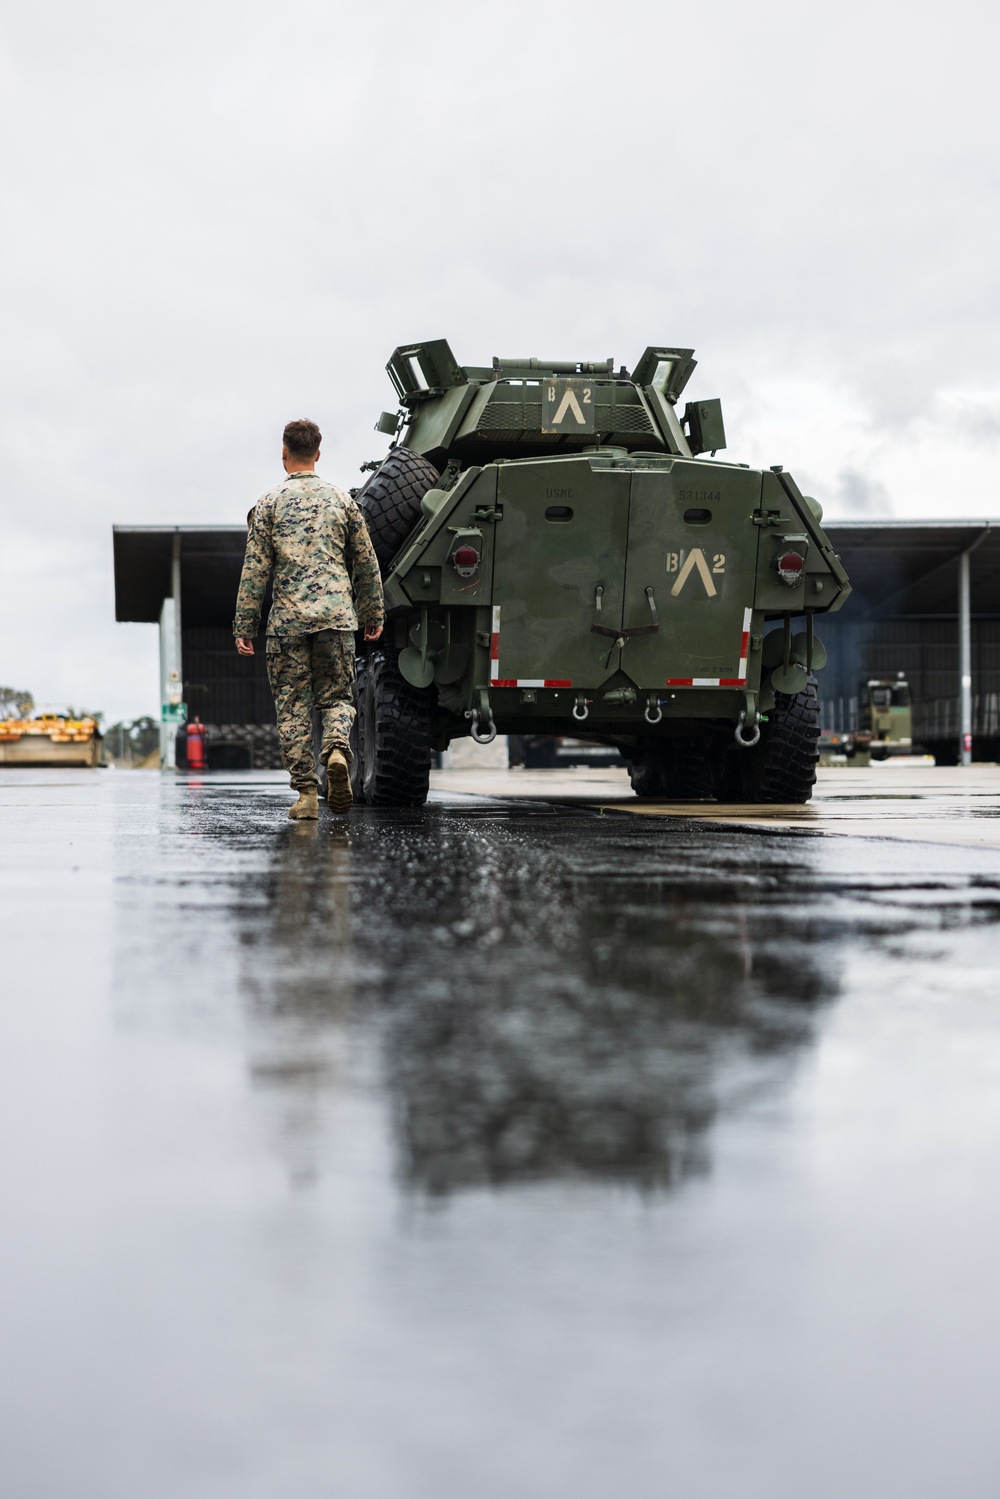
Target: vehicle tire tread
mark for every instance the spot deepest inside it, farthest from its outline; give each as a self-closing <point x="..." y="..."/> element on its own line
<point x="400" y="774"/>
<point x="390" y="501"/>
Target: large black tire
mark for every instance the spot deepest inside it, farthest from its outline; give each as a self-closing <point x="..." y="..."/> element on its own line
<point x="391" y="740"/>
<point x="357" y="730"/>
<point x="645" y="772"/>
<point x="673" y="770"/>
<point x="782" y="766"/>
<point x="726" y="772"/>
<point x="689" y="770"/>
<point x="540" y="752"/>
<point x="390" y="501"/>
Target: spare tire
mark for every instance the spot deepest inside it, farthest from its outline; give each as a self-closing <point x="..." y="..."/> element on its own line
<point x="390" y="501"/>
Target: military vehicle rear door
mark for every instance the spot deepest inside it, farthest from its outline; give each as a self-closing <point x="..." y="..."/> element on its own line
<point x="691" y="569"/>
<point x="560" y="551"/>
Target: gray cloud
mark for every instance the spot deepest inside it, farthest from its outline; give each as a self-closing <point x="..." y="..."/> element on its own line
<point x="977" y="421"/>
<point x="855" y="496"/>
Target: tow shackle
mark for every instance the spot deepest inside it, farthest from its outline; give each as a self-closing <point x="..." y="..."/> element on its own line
<point x="739" y="736"/>
<point x="491" y="728"/>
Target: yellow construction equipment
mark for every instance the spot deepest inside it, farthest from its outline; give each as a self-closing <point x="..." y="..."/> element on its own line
<point x="50" y="739"/>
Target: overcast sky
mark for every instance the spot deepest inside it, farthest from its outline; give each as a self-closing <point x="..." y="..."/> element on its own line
<point x="220" y="215"/>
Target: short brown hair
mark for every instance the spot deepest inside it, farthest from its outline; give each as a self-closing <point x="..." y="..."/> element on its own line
<point x="302" y="438"/>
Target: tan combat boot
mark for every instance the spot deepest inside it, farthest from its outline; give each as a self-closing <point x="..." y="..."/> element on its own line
<point x="307" y="804"/>
<point x="339" y="796"/>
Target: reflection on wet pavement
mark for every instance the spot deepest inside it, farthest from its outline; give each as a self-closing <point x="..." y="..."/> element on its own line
<point x="570" y="999"/>
<point x="495" y="1148"/>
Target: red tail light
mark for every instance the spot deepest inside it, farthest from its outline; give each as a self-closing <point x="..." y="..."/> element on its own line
<point x="466" y="560"/>
<point x="790" y="568"/>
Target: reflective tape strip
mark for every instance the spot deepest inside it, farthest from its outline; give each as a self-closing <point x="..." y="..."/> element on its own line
<point x="745" y="642"/>
<point x="744" y="649"/>
<point x="531" y="682"/>
<point x="495" y="646"/>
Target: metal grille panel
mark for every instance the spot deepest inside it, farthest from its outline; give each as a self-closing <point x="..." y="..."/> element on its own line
<point x="622" y="418"/>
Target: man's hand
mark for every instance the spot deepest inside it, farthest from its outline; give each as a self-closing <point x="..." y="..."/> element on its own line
<point x="373" y="632"/>
<point x="244" y="646"/>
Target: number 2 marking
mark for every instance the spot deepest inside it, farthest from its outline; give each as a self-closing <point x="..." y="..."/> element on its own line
<point x="719" y="562"/>
<point x="586" y="395"/>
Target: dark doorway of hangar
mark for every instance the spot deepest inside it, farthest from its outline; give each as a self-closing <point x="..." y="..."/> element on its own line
<point x="926" y="605"/>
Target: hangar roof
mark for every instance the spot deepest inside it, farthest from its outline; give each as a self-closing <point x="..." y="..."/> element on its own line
<point x="906" y="568"/>
<point x="211" y="558"/>
<point x="897" y="568"/>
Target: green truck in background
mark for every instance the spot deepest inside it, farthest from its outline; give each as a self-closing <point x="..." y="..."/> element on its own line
<point x="886" y="717"/>
<point x="560" y="556"/>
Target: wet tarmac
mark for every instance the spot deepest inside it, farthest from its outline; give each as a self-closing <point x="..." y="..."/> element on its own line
<point x="504" y="1148"/>
<point x="896" y="799"/>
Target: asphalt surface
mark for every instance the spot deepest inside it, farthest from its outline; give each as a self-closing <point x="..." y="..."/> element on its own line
<point x="510" y="1147"/>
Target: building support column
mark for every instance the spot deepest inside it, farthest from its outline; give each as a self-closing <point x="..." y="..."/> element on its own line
<point x="172" y="708"/>
<point x="175" y="589"/>
<point x="964" y="661"/>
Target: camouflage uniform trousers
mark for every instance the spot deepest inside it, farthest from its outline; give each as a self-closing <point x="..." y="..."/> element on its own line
<point x="307" y="671"/>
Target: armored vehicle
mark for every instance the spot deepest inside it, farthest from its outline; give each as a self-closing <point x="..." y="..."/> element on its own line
<point x="886" y="717"/>
<point x="561" y="556"/>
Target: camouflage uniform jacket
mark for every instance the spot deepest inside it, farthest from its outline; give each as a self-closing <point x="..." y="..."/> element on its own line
<point x="314" y="539"/>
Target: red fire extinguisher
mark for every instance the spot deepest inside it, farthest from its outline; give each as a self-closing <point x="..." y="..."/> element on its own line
<point x="196" y="733"/>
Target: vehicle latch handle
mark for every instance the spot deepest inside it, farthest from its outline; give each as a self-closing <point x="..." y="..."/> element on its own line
<point x="597" y="627"/>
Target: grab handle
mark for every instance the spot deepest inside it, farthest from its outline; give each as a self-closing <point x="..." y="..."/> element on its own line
<point x="597" y="627"/>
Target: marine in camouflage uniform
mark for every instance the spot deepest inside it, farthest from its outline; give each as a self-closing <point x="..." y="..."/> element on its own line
<point x="313" y="538"/>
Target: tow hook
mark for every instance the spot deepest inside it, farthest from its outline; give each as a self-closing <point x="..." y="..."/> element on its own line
<point x="483" y="714"/>
<point x="653" y="712"/>
<point x="580" y="709"/>
<point x="741" y="740"/>
<point x="491" y="728"/>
